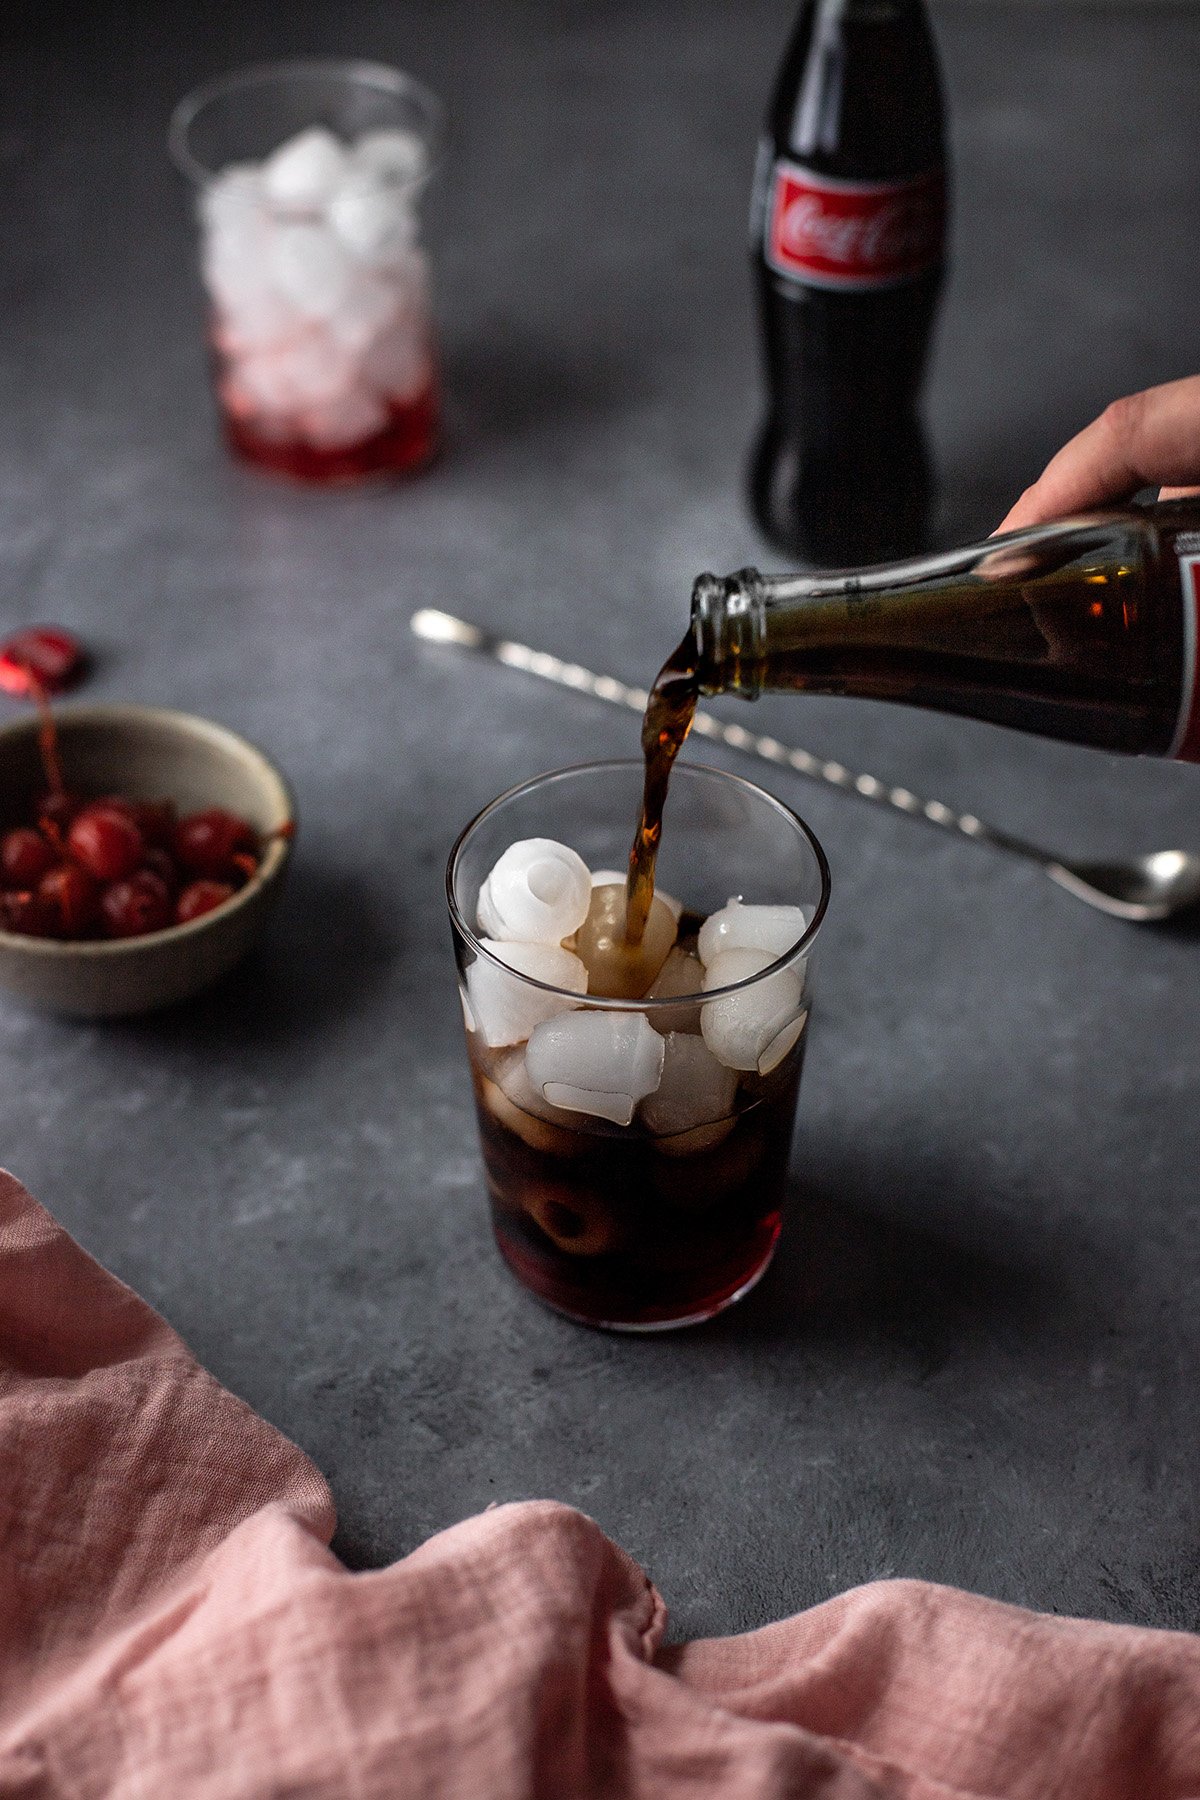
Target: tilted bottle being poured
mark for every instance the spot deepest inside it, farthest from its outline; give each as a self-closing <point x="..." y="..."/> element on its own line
<point x="1085" y="630"/>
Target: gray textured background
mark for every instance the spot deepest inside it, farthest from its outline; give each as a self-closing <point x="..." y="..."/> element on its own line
<point x="975" y="1359"/>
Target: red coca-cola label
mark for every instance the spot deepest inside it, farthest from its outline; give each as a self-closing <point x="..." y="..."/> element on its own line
<point x="852" y="234"/>
<point x="1186" y="743"/>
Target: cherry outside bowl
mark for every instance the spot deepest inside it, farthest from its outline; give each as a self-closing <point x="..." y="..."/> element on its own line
<point x="144" y="753"/>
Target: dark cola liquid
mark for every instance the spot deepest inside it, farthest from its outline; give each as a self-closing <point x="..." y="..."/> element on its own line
<point x="616" y="1226"/>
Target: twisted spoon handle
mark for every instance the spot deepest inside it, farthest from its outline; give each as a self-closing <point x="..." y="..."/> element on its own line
<point x="443" y="628"/>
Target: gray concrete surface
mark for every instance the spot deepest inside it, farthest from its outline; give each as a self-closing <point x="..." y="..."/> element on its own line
<point x="975" y="1358"/>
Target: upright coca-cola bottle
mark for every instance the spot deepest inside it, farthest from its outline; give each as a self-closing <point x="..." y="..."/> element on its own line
<point x="848" y="241"/>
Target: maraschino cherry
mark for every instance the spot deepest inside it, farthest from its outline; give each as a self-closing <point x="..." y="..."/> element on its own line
<point x="110" y="867"/>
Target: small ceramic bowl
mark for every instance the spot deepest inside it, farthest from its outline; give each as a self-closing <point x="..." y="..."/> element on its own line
<point x="145" y="753"/>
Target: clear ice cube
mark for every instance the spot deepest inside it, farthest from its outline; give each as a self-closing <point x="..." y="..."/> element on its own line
<point x="398" y="362"/>
<point x="739" y="927"/>
<point x="538" y="892"/>
<point x="233" y="206"/>
<point x="311" y="267"/>
<point x="756" y="1028"/>
<point x="306" y="371"/>
<point x="618" y="878"/>
<point x="347" y="419"/>
<point x="390" y="155"/>
<point x="233" y="263"/>
<point x="250" y="318"/>
<point x="369" y="307"/>
<point x="681" y="975"/>
<point x="515" y="1103"/>
<point x="596" y="1062"/>
<point x="620" y="970"/>
<point x="506" y="1009"/>
<point x="692" y="1107"/>
<point x="304" y="172"/>
<point x="374" y="223"/>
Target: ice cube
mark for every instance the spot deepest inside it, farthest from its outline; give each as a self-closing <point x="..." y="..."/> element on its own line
<point x="738" y="927"/>
<point x="268" y="427"/>
<point x="620" y="970"/>
<point x="754" y="1029"/>
<point x="520" y="1107"/>
<point x="408" y="273"/>
<point x="234" y="266"/>
<point x="262" y="380"/>
<point x="596" y="1062"/>
<point x="375" y="223"/>
<point x="537" y="893"/>
<point x="692" y="1107"/>
<point x="390" y="156"/>
<point x="303" y="173"/>
<point x="575" y="1221"/>
<point x="317" y="369"/>
<point x="398" y="362"/>
<point x="682" y="974"/>
<point x="696" y="1184"/>
<point x="311" y="268"/>
<point x="507" y="1009"/>
<point x="351" y="418"/>
<point x="618" y="877"/>
<point x="251" y="319"/>
<point x="233" y="204"/>
<point x="308" y="370"/>
<point x="487" y="919"/>
<point x="367" y="309"/>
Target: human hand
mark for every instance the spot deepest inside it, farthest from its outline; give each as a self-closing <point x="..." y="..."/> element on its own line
<point x="1136" y="442"/>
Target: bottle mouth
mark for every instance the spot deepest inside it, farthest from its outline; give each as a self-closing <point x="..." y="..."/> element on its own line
<point x="729" y="627"/>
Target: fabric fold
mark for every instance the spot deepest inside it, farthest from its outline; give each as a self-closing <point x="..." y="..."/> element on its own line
<point x="173" y="1622"/>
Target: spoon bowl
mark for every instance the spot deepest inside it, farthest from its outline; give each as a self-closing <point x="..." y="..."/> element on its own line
<point x="1144" y="889"/>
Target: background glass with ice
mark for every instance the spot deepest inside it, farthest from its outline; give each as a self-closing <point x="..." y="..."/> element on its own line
<point x="636" y="1147"/>
<point x="309" y="176"/>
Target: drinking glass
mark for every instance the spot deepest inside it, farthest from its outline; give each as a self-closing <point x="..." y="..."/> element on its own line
<point x="308" y="176"/>
<point x="636" y="1177"/>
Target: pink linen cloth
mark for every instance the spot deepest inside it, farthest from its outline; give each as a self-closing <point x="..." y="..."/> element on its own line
<point x="172" y="1624"/>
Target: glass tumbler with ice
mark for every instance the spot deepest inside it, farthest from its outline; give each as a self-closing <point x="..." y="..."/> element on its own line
<point x="636" y="1109"/>
<point x="309" y="176"/>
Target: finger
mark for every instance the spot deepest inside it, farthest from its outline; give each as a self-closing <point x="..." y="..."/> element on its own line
<point x="1136" y="442"/>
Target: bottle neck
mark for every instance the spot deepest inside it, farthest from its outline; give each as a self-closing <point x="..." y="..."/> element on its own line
<point x="831" y="14"/>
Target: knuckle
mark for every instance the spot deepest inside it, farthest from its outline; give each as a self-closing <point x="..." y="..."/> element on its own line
<point x="1122" y="419"/>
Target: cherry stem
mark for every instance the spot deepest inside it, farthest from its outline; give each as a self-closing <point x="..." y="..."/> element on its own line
<point x="47" y="732"/>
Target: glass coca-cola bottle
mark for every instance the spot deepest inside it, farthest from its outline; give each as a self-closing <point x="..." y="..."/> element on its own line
<point x="848" y="246"/>
<point x="1086" y="630"/>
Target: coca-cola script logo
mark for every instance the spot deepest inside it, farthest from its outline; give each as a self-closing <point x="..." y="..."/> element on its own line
<point x="852" y="233"/>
